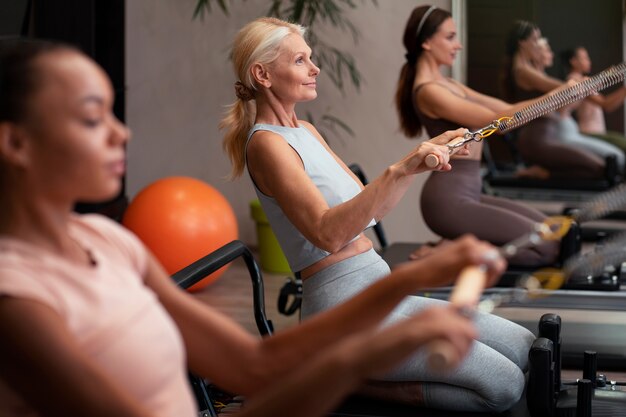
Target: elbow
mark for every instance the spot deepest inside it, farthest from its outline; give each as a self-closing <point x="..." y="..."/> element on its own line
<point x="333" y="240"/>
<point x="331" y="244"/>
<point x="331" y="236"/>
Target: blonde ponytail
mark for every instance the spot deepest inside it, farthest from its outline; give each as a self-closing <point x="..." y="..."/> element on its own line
<point x="237" y="123"/>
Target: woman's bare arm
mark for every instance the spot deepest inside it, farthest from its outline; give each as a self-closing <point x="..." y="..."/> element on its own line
<point x="223" y="352"/>
<point x="278" y="171"/>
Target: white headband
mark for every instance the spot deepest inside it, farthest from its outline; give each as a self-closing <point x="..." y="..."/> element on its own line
<point x="423" y="20"/>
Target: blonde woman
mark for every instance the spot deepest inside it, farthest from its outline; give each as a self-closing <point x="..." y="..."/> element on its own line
<point x="318" y="210"/>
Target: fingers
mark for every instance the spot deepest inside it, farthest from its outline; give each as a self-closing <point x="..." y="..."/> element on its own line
<point x="430" y="156"/>
<point x="389" y="345"/>
<point x="438" y="159"/>
<point x="448" y="136"/>
<point x="433" y="161"/>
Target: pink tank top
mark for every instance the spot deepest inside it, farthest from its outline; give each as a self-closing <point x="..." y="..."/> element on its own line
<point x="114" y="317"/>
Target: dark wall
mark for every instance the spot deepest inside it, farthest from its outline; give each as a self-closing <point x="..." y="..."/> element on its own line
<point x="97" y="27"/>
<point x="13" y="15"/>
<point x="595" y="25"/>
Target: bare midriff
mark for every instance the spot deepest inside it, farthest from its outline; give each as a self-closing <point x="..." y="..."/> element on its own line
<point x="356" y="247"/>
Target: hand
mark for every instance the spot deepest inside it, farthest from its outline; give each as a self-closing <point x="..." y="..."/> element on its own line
<point x="390" y="345"/>
<point x="414" y="162"/>
<point x="433" y="161"/>
<point x="445" y="262"/>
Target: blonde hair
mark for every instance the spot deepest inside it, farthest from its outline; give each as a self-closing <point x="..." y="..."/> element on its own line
<point x="257" y="42"/>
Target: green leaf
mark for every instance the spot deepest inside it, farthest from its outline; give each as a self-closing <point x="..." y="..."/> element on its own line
<point x="204" y="6"/>
<point x="335" y="121"/>
<point x="337" y="65"/>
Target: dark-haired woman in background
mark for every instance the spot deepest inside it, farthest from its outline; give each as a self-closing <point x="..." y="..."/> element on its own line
<point x="452" y="203"/>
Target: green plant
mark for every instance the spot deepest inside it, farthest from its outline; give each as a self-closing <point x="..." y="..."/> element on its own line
<point x="338" y="65"/>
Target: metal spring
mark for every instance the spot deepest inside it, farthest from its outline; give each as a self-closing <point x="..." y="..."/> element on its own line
<point x="610" y="253"/>
<point x="601" y="205"/>
<point x="591" y="85"/>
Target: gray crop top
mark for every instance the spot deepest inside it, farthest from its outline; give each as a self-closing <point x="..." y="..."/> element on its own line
<point x="330" y="178"/>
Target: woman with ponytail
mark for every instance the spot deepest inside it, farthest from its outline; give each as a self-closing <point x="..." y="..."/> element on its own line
<point x="427" y="99"/>
<point x="319" y="210"/>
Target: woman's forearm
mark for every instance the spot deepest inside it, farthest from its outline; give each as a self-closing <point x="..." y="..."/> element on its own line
<point x="312" y="387"/>
<point x="614" y="99"/>
<point x="340" y="224"/>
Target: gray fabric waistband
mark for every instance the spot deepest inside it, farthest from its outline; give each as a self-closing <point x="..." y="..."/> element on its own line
<point x="340" y="269"/>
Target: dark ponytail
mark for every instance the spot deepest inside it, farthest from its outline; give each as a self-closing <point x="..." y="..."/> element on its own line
<point x="409" y="122"/>
<point x="567" y="56"/>
<point x="520" y="31"/>
<point x="422" y="24"/>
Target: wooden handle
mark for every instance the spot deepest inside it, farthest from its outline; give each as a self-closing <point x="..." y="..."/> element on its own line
<point x="441" y="356"/>
<point x="431" y="160"/>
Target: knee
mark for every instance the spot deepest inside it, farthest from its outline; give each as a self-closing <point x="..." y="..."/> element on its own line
<point x="507" y="393"/>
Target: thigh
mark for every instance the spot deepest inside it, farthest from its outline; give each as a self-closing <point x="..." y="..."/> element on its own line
<point x="499" y="355"/>
<point x="540" y="143"/>
<point x="595" y="145"/>
<point x="494" y="224"/>
<point x="613" y="138"/>
<point x="503" y="336"/>
<point x="514" y="206"/>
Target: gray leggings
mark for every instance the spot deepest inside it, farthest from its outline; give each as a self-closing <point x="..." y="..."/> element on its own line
<point x="570" y="134"/>
<point x="490" y="379"/>
<point x="452" y="204"/>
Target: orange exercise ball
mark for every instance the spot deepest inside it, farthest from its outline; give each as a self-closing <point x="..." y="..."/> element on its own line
<point x="182" y="219"/>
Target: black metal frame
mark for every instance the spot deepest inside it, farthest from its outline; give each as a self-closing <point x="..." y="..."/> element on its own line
<point x="199" y="270"/>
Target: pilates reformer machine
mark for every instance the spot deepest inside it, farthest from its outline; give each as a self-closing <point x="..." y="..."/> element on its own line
<point x="587" y="288"/>
<point x="547" y="395"/>
<point x="555" y="195"/>
<point x="593" y="309"/>
<point x="501" y="181"/>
